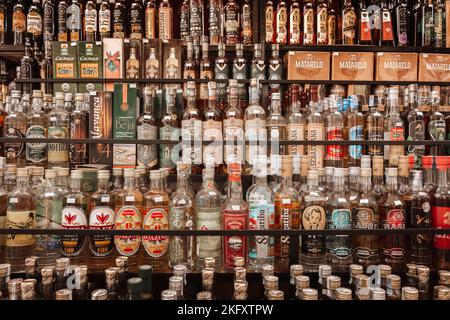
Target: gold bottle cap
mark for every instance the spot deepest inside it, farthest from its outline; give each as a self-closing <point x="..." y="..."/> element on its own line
<point x="362" y="281"/>
<point x="168" y="295"/>
<point x="393" y="282"/>
<point x="302" y="282"/>
<point x="276" y="295"/>
<point x="63" y="172"/>
<point x="410" y="293"/>
<point x="356" y="269"/>
<point x="295" y="270"/>
<point x="63" y="294"/>
<point x="444" y="277"/>
<point x="179" y="270"/>
<point x="204" y="295"/>
<point x="37" y="171"/>
<point x="310" y="294"/>
<point x="343" y="294"/>
<point x="210" y="262"/>
<point x="271" y="283"/>
<point x="239" y="261"/>
<point x="324" y="270"/>
<point x="267" y="270"/>
<point x="99" y="294"/>
<point x="14" y="285"/>
<point x="363" y="294"/>
<point x="333" y="282"/>
<point x="62" y="264"/>
<point x="5" y="270"/>
<point x="240" y="273"/>
<point x="208" y="274"/>
<point x="28" y="290"/>
<point x="48" y="272"/>
<point x="377" y="294"/>
<point x="423" y="273"/>
<point x="385" y="270"/>
<point x="411" y="269"/>
<point x="441" y="293"/>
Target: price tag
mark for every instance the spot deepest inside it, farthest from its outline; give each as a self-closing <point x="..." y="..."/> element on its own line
<point x="129" y="198"/>
<point x="52" y="118"/>
<point x="147" y="117"/>
<point x="104" y="199"/>
<point x="71" y="200"/>
<point x="13" y="200"/>
<point x="236" y="208"/>
<point x="286" y="201"/>
<point x="398" y="203"/>
<point x="364" y="201"/>
<point x="399" y="124"/>
<point x="232" y="113"/>
<point x="49" y="194"/>
<point x="342" y="200"/>
<point x="159" y="199"/>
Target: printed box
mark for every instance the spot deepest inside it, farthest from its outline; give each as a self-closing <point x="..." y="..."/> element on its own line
<point x="90" y="65"/>
<point x="65" y="65"/>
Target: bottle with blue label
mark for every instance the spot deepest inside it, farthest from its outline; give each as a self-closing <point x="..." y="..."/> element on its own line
<point x="355" y="122"/>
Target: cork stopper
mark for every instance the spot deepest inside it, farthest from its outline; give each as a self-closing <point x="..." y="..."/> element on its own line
<point x="28" y="289"/>
<point x="393" y="282"/>
<point x="324" y="270"/>
<point x="240" y="290"/>
<point x="239" y="261"/>
<point x="286" y="166"/>
<point x="240" y="273"/>
<point x="377" y="294"/>
<point x="343" y="294"/>
<point x="168" y="295"/>
<point x="441" y="293"/>
<point x="37" y="171"/>
<point x="377" y="163"/>
<point x="444" y="277"/>
<point x="410" y="293"/>
<point x="48" y="275"/>
<point x="210" y="262"/>
<point x="363" y="294"/>
<point x="302" y="282"/>
<point x="403" y="166"/>
<point x="271" y="283"/>
<point x="304" y="165"/>
<point x="204" y="295"/>
<point x="356" y="269"/>
<point x="362" y="281"/>
<point x="310" y="294"/>
<point x="333" y="282"/>
<point x="31" y="265"/>
<point x="63" y="294"/>
<point x="99" y="294"/>
<point x="385" y="270"/>
<point x="276" y="295"/>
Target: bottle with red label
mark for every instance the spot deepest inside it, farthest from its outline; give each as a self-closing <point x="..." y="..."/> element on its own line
<point x="234" y="216"/>
<point x="440" y="212"/>
<point x="365" y="34"/>
<point x="387" y="30"/>
<point x="335" y="132"/>
<point x="392" y="217"/>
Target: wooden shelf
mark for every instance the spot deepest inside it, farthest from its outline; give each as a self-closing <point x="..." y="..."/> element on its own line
<point x="12" y="53"/>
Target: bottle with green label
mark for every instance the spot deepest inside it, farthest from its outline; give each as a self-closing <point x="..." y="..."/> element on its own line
<point x="37" y="123"/>
<point x="58" y="128"/>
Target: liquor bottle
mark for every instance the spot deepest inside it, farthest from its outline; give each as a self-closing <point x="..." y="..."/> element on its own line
<point x="440" y="206"/>
<point x="436" y="126"/>
<point x="101" y="217"/>
<point x="416" y="126"/>
<point x="34" y="20"/>
<point x="74" y="216"/>
<point x="294" y="23"/>
<point x="439" y="25"/>
<point x="374" y="127"/>
<point x="15" y="127"/>
<point x="365" y="33"/>
<point x="315" y="130"/>
<point x="387" y="26"/>
<point x="429" y="184"/>
<point x="427" y="24"/>
<point x="62" y="22"/>
<point x="184" y="19"/>
<point x="296" y="122"/>
<point x="119" y="18"/>
<point x="137" y="19"/>
<point x="233" y="125"/>
<point x="152" y="68"/>
<point x="331" y="24"/>
<point x="19" y="21"/>
<point x="37" y="124"/>
<point x="221" y="72"/>
<point x="215" y="21"/>
<point x="309" y="36"/>
<point x="4" y="25"/>
<point x="420" y="217"/>
<point x="20" y="214"/>
<point x="147" y="154"/>
<point x="254" y="126"/>
<point x="90" y="21"/>
<point x="79" y="129"/>
<point x="235" y="212"/>
<point x="269" y="18"/>
<point x="46" y="69"/>
<point x="416" y="32"/>
<point x="169" y="130"/>
<point x="189" y="68"/>
<point x="322" y="22"/>
<point x="4" y="81"/>
<point x="139" y="176"/>
<point x="191" y="131"/>
<point x="246" y="23"/>
<point x="104" y="19"/>
<point x="212" y="131"/>
<point x="181" y="217"/>
<point x="165" y="20"/>
<point x="128" y="208"/>
<point x="355" y="120"/>
<point x="231" y="22"/>
<point x="281" y="23"/>
<point x="196" y="23"/>
<point x="365" y="216"/>
<point x="132" y="65"/>
<point x="348" y="23"/>
<point x="3" y="207"/>
<point x="393" y="217"/>
<point x="275" y="70"/>
<point x="404" y="186"/>
<point x="58" y="128"/>
<point x="395" y="129"/>
<point x="150" y="19"/>
<point x="287" y="212"/>
<point x="276" y="126"/>
<point x="258" y="67"/>
<point x="27" y="66"/>
<point x="206" y="69"/>
<point x="402" y="19"/>
<point x="74" y="21"/>
<point x="313" y="218"/>
<point x="156" y="217"/>
<point x="335" y="132"/>
<point x="240" y="72"/>
<point x="379" y="190"/>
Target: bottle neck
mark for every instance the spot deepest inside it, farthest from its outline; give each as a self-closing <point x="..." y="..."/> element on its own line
<point x="442" y="177"/>
<point x="156" y="184"/>
<point x="339" y="186"/>
<point x="235" y="189"/>
<point x="365" y="184"/>
<point x="286" y="181"/>
<point x="275" y="106"/>
<point x="313" y="184"/>
<point x="148" y="103"/>
<point x="295" y="107"/>
<point x="428" y="176"/>
<point x="392" y="185"/>
<point x="102" y="185"/>
<point x="51" y="181"/>
<point x="416" y="184"/>
<point x="261" y="180"/>
<point x="62" y="181"/>
<point x="254" y="96"/>
<point x="182" y="180"/>
<point x="75" y="184"/>
<point x="129" y="183"/>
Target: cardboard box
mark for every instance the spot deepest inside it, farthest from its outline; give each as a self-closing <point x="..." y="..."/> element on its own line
<point x="65" y="65"/>
<point x="100" y="127"/>
<point x="392" y="66"/>
<point x="125" y="115"/>
<point x="113" y="64"/>
<point x="90" y="176"/>
<point x="90" y="65"/>
<point x="307" y="65"/>
<point x="352" y="66"/>
<point x="434" y="67"/>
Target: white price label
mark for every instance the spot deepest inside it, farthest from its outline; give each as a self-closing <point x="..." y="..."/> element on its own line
<point x="235" y="207"/>
<point x="398" y="203"/>
<point x="71" y="200"/>
<point x="159" y="199"/>
<point x="13" y="200"/>
<point x="49" y="194"/>
<point x="286" y="201"/>
<point x="342" y="200"/>
<point x="364" y="201"/>
<point x="129" y="198"/>
<point x="104" y="199"/>
<point x="261" y="202"/>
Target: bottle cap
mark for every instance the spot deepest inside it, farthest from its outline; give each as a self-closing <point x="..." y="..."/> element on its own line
<point x="155" y="174"/>
<point x="441" y="162"/>
<point x="68" y="97"/>
<point x="276" y="295"/>
<point x="423" y="273"/>
<point x="204" y="295"/>
<point x="238" y="262"/>
<point x="403" y="166"/>
<point x="168" y="295"/>
<point x="385" y="270"/>
<point x="122" y="263"/>
<point x="134" y="285"/>
<point x="271" y="283"/>
<point x="111" y="275"/>
<point x="117" y="172"/>
<point x="365" y="161"/>
<point x="22" y="172"/>
<point x="99" y="294"/>
<point x="310" y="294"/>
<point x="343" y="294"/>
<point x="76" y="174"/>
<point x="441" y="293"/>
<point x="176" y="283"/>
<point x="411" y="269"/>
<point x="302" y="282"/>
<point x="14" y="285"/>
<point x="356" y="269"/>
<point x="296" y="270"/>
<point x="37" y="94"/>
<point x="444" y="277"/>
<point x="362" y="281"/>
<point x="267" y="269"/>
<point x="5" y="270"/>
<point x="393" y="282"/>
<point x="296" y="164"/>
<point x="338" y="172"/>
<point x="39" y="171"/>
<point x="333" y="282"/>
<point x="50" y="174"/>
<point x="324" y="270"/>
<point x="63" y="172"/>
<point x="365" y="172"/>
<point x="145" y="271"/>
<point x="128" y="173"/>
<point x="377" y="294"/>
<point x="363" y="294"/>
<point x="63" y="294"/>
<point x="103" y="174"/>
<point x="210" y="263"/>
<point x="410" y="293"/>
<point x="28" y="289"/>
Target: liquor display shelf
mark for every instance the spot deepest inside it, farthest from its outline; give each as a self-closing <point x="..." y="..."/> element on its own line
<point x="11" y="52"/>
<point x="247" y="81"/>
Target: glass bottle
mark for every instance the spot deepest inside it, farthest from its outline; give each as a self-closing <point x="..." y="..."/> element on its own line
<point x="46" y="69"/>
<point x="258" y="67"/>
<point x="119" y="20"/>
<point x="206" y="71"/>
<point x="439" y="24"/>
<point x="436" y="126"/>
<point x="315" y="130"/>
<point x="427" y="23"/>
<point x="156" y="217"/>
<point x="246" y="22"/>
<point x="181" y="217"/>
<point x="335" y="132"/>
<point x="90" y="21"/>
<point x="79" y="129"/>
<point x="58" y="128"/>
<point x="34" y="20"/>
<point x="234" y="216"/>
<point x="387" y="25"/>
<point x="396" y="129"/>
<point x="196" y="22"/>
<point x="215" y="21"/>
<point x="221" y="72"/>
<point x="104" y="19"/>
<point x="261" y="217"/>
<point x="313" y="218"/>
<point x="3" y="207"/>
<point x="231" y="22"/>
<point x="331" y="23"/>
<point x="15" y="127"/>
<point x="74" y="20"/>
<point x="322" y="22"/>
<point x="62" y="181"/>
<point x="240" y="72"/>
<point x="276" y="126"/>
<point x="416" y="127"/>
<point x="20" y="214"/>
<point x="19" y="21"/>
<point x="364" y="32"/>
<point x="132" y="65"/>
<point x="184" y="19"/>
<point x="62" y="22"/>
<point x="374" y="127"/>
<point x="269" y="25"/>
<point x="147" y="154"/>
<point x="402" y="20"/>
<point x="348" y="23"/>
<point x="356" y="133"/>
<point x="37" y="123"/>
<point x="429" y="183"/>
<point x="309" y="36"/>
<point x="137" y="19"/>
<point x="393" y="217"/>
<point x="165" y="20"/>
<point x="169" y="130"/>
<point x="281" y="23"/>
<point x="4" y="22"/>
<point x="296" y="122"/>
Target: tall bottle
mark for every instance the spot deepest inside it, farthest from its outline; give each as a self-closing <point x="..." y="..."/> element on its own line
<point x="169" y="130"/>
<point x="258" y="68"/>
<point x="37" y="123"/>
<point x="440" y="206"/>
<point x="196" y="22"/>
<point x="90" y="21"/>
<point x="387" y="26"/>
<point x="79" y="129"/>
<point x="246" y="23"/>
<point x="58" y="128"/>
<point x="439" y="25"/>
<point x="104" y="20"/>
<point x="355" y="121"/>
<point x="261" y="217"/>
<point x="322" y="22"/>
<point x="393" y="217"/>
<point x="20" y="214"/>
<point x="309" y="36"/>
<point x="62" y="22"/>
<point x="15" y="127"/>
<point x="74" y="21"/>
<point x="275" y="68"/>
<point x="296" y="122"/>
<point x="34" y="20"/>
<point x="27" y="66"/>
<point x="215" y="21"/>
<point x="165" y="20"/>
<point x="281" y="23"/>
<point x="221" y="72"/>
<point x="46" y="69"/>
<point x="19" y="21"/>
<point x="427" y="23"/>
<point x="348" y="23"/>
<point x="402" y="20"/>
<point x="396" y="129"/>
<point x="147" y="154"/>
<point x="335" y="132"/>
<point x="294" y="23"/>
<point x="332" y="24"/>
<point x="137" y="20"/>
<point x="436" y="126"/>
<point x="231" y="22"/>
<point x="240" y="71"/>
<point x="119" y="20"/>
<point x="269" y="19"/>
<point x="364" y="31"/>
<point x="4" y="23"/>
<point x="276" y="126"/>
<point x="235" y="213"/>
<point x="374" y="127"/>
<point x="206" y="71"/>
<point x="416" y="127"/>
<point x="315" y="131"/>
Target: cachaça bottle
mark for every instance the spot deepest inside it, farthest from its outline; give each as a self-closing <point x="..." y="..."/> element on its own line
<point x="234" y="216"/>
<point x="313" y="218"/>
<point x="387" y="25"/>
<point x="261" y="217"/>
<point x="374" y="127"/>
<point x="137" y="19"/>
<point x="15" y="127"/>
<point x="309" y="36"/>
<point x="335" y="132"/>
<point x="315" y="130"/>
<point x="37" y="123"/>
<point x="395" y="129"/>
<point x="104" y="19"/>
<point x="349" y="22"/>
<point x="49" y="204"/>
<point x="429" y="183"/>
<point x="231" y="22"/>
<point x="181" y="217"/>
<point x="436" y="126"/>
<point x="20" y="214"/>
<point x="416" y="127"/>
<point x="296" y="123"/>
<point x="74" y="21"/>
<point x="58" y="128"/>
<point x="240" y="72"/>
<point x="355" y="120"/>
<point x="169" y="130"/>
<point x="156" y="217"/>
<point x="147" y="154"/>
<point x="246" y="23"/>
<point x="79" y="129"/>
<point x="276" y="126"/>
<point x="3" y="208"/>
<point x="90" y="21"/>
<point x="322" y="22"/>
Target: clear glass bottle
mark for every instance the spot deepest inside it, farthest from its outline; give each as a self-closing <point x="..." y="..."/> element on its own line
<point x="79" y="129"/>
<point x="276" y="126"/>
<point x="37" y="123"/>
<point x="169" y="130"/>
<point x="334" y="123"/>
<point x="15" y="127"/>
<point x="3" y="208"/>
<point x="436" y="126"/>
<point x="296" y="122"/>
<point x="374" y="127"/>
<point x="315" y="129"/>
<point x="416" y="126"/>
<point x="355" y="120"/>
<point x="58" y="128"/>
<point x="147" y="154"/>
<point x="395" y="127"/>
<point x="62" y="181"/>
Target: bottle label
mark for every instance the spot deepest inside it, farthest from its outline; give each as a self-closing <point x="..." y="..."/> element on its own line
<point x="166" y="151"/>
<point x="365" y="219"/>
<point x="388" y="33"/>
<point x="2" y="22"/>
<point x="156" y="219"/>
<point x="205" y="74"/>
<point x="13" y="150"/>
<point x="256" y="133"/>
<point x="375" y="134"/>
<point x="365" y="33"/>
<point x="296" y="132"/>
<point x="184" y="23"/>
<point x="421" y="218"/>
<point x="196" y="19"/>
<point x="147" y="154"/>
<point x="416" y="132"/>
<point x="34" y="23"/>
<point x="349" y="25"/>
<point x="441" y="220"/>
<point x="74" y="17"/>
<point x="212" y="131"/>
<point x="128" y="218"/>
<point x="101" y="218"/>
<point x="281" y="23"/>
<point x="36" y="152"/>
<point x="269" y="14"/>
<point x="104" y="24"/>
<point x="233" y="130"/>
<point x="275" y="73"/>
<point x="58" y="152"/>
<point x="313" y="219"/>
<point x="192" y="131"/>
<point x="231" y="22"/>
<point x="20" y="220"/>
<point x="62" y="10"/>
<point x="260" y="216"/>
<point x="335" y="152"/>
<point x="48" y="216"/>
<point x="436" y="128"/>
<point x="136" y="20"/>
<point x="221" y="71"/>
<point x="240" y="72"/>
<point x="322" y="18"/>
<point x="395" y="221"/>
<point x="234" y="246"/>
<point x="258" y="70"/>
<point x="403" y="26"/>
<point x="294" y="26"/>
<point x="209" y="219"/>
<point x="19" y="21"/>
<point x="332" y="29"/>
<point x="289" y="219"/>
<point x="356" y="133"/>
<point x="340" y="245"/>
<point x="49" y="20"/>
<point x="316" y="153"/>
<point x="308" y="27"/>
<point x="73" y="218"/>
<point x="90" y="18"/>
